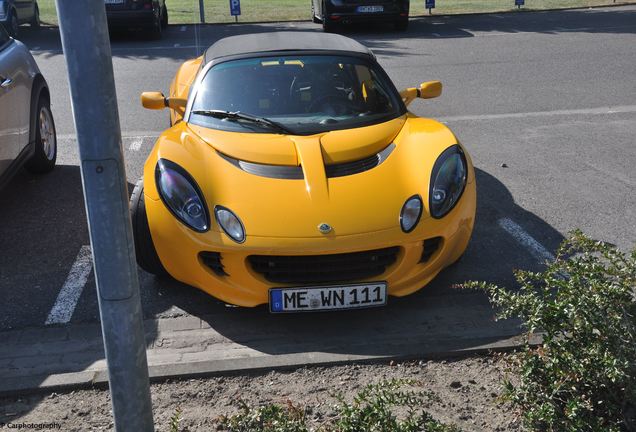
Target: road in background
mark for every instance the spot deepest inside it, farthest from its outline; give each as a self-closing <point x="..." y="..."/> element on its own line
<point x="545" y="103"/>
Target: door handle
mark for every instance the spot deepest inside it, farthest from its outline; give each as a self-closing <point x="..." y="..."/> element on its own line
<point x="6" y="82"/>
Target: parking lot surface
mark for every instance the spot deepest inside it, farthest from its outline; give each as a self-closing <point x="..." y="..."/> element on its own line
<point x="544" y="102"/>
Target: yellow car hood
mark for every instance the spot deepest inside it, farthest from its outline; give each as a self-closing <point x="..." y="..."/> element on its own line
<point x="365" y="202"/>
<point x="337" y="146"/>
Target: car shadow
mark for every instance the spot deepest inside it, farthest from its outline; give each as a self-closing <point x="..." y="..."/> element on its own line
<point x="43" y="219"/>
<point x="491" y="256"/>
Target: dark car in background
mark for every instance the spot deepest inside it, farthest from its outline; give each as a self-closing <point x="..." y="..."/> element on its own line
<point x="16" y="12"/>
<point x="333" y="13"/>
<point x="150" y="15"/>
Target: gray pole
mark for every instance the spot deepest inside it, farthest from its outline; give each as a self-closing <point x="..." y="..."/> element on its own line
<point x="201" y="12"/>
<point x="90" y="71"/>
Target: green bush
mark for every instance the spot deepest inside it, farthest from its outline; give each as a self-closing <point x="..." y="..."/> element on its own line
<point x="583" y="376"/>
<point x="269" y="418"/>
<point x="372" y="410"/>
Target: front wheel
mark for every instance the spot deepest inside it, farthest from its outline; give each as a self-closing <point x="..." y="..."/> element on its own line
<point x="43" y="160"/>
<point x="35" y="21"/>
<point x="164" y="16"/>
<point x="145" y="252"/>
<point x="157" y="27"/>
<point x="328" y="26"/>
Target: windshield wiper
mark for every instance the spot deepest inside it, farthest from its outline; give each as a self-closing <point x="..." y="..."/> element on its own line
<point x="238" y="115"/>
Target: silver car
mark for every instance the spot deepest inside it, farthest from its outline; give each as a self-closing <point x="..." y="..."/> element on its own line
<point x="27" y="130"/>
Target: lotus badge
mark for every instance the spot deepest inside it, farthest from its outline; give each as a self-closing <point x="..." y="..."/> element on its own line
<point x="324" y="228"/>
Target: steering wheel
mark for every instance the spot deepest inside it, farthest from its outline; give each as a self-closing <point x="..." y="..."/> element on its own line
<point x="331" y="104"/>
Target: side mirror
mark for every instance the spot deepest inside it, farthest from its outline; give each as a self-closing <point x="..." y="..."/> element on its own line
<point x="157" y="101"/>
<point x="153" y="100"/>
<point x="426" y="90"/>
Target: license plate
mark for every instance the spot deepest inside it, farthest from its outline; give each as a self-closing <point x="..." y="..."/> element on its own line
<point x="334" y="297"/>
<point x="113" y="1"/>
<point x="370" y="9"/>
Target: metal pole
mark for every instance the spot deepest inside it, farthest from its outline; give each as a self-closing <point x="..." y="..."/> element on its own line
<point x="90" y="71"/>
<point x="201" y="12"/>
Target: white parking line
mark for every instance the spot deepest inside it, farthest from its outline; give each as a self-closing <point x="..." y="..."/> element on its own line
<point x="124" y="136"/>
<point x="585" y="111"/>
<point x="535" y="248"/>
<point x="135" y="143"/>
<point x="64" y="306"/>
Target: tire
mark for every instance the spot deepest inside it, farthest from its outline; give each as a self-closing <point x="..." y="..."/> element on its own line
<point x="145" y="252"/>
<point x="402" y="24"/>
<point x="327" y="26"/>
<point x="164" y="16"/>
<point x="157" y="27"/>
<point x="35" y="21"/>
<point x="43" y="160"/>
<point x="12" y="25"/>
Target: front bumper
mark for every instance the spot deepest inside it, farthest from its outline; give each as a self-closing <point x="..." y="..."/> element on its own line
<point x="179" y="249"/>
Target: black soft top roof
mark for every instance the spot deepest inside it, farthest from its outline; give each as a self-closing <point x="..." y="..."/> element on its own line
<point x="250" y="44"/>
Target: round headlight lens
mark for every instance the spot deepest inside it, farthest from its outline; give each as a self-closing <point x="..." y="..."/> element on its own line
<point x="448" y="181"/>
<point x="411" y="212"/>
<point x="181" y="195"/>
<point x="230" y="223"/>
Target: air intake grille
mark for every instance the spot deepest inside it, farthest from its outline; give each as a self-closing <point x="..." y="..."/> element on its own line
<point x="358" y="166"/>
<point x="324" y="268"/>
<point x="429" y="248"/>
<point x="213" y="261"/>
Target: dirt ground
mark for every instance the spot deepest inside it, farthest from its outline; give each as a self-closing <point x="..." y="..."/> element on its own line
<point x="468" y="391"/>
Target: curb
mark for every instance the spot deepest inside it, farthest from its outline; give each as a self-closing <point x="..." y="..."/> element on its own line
<point x="39" y="360"/>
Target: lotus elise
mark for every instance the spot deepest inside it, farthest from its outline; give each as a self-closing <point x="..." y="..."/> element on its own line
<point x="293" y="175"/>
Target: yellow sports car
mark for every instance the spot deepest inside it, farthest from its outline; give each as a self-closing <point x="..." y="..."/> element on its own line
<point x="293" y="175"/>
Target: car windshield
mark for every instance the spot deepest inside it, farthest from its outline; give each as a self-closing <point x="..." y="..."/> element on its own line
<point x="301" y="94"/>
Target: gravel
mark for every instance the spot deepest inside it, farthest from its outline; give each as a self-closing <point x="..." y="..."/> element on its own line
<point x="467" y="389"/>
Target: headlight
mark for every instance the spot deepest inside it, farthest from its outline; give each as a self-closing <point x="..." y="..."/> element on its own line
<point x="230" y="223"/>
<point x="181" y="195"/>
<point x="448" y="181"/>
<point x="410" y="214"/>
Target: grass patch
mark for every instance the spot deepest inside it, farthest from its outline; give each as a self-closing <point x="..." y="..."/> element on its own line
<point x="218" y="11"/>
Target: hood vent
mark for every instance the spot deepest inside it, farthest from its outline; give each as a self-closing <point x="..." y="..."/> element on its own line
<point x="287" y="172"/>
<point x="360" y="165"/>
<point x="293" y="172"/>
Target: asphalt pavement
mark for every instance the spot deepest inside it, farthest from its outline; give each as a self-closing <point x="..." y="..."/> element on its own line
<point x="545" y="102"/>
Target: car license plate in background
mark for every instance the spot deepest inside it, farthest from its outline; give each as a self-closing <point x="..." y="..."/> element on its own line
<point x="113" y="1"/>
<point x="305" y="299"/>
<point x="370" y="9"/>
